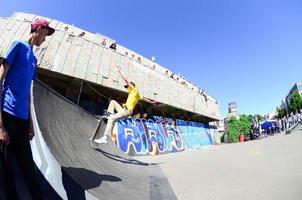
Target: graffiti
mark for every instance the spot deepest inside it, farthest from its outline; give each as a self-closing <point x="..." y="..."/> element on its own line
<point x="161" y="135"/>
<point x="195" y="134"/>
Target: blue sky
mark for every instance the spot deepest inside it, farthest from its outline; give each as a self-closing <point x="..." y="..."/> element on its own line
<point x="248" y="51"/>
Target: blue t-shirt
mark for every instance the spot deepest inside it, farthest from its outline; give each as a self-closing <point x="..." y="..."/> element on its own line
<point x="17" y="83"/>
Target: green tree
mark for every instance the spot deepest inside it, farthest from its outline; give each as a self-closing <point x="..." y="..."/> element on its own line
<point x="295" y="101"/>
<point x="235" y="127"/>
<point x="250" y="117"/>
<point x="245" y="125"/>
<point x="259" y="117"/>
<point x="281" y="112"/>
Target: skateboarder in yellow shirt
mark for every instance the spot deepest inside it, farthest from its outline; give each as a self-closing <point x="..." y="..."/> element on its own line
<point x="123" y="111"/>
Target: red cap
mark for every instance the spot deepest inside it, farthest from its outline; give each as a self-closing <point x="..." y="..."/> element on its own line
<point x="42" y="23"/>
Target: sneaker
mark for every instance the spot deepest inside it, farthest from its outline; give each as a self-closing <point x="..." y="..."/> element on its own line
<point x="102" y="140"/>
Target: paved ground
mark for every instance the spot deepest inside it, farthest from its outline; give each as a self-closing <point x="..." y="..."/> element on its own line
<point x="266" y="169"/>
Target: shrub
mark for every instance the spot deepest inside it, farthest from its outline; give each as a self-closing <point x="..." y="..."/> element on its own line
<point x="235" y="127"/>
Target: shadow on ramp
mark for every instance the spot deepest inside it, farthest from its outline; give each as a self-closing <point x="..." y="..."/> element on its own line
<point x="83" y="179"/>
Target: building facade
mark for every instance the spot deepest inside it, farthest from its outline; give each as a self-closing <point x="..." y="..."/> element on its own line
<point x="82" y="66"/>
<point x="285" y="103"/>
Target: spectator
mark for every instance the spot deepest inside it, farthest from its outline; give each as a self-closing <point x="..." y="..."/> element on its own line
<point x="16" y="128"/>
<point x="282" y="124"/>
<point x="82" y="34"/>
<point x="104" y="42"/>
<point x="273" y="128"/>
<point x="278" y="125"/>
<point x="172" y="75"/>
<point x="139" y="59"/>
<point x="286" y="123"/>
<point x="113" y="46"/>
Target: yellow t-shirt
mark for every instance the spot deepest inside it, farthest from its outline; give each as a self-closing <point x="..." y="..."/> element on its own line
<point x="133" y="98"/>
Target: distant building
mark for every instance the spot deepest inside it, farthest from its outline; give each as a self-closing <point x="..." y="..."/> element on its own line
<point x="232" y="113"/>
<point x="297" y="87"/>
<point x="233" y="110"/>
<point x="285" y="103"/>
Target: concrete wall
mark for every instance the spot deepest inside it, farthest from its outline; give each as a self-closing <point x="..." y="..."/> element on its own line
<point x="85" y="57"/>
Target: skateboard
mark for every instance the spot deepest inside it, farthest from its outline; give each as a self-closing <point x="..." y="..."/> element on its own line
<point x="99" y="131"/>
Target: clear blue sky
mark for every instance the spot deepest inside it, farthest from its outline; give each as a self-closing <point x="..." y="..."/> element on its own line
<point x="248" y="51"/>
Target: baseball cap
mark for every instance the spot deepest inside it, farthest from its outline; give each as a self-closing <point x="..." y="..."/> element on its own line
<point x="126" y="86"/>
<point x="42" y="23"/>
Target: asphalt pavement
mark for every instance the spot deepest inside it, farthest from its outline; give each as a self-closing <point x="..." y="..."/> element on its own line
<point x="265" y="169"/>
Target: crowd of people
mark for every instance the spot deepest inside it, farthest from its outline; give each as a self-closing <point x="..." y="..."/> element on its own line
<point x="275" y="125"/>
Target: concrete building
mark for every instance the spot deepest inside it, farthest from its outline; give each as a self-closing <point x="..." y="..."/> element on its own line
<point x="81" y="66"/>
<point x="285" y="103"/>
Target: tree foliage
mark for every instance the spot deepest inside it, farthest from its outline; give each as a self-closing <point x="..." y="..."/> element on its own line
<point x="295" y="101"/>
<point x="281" y="112"/>
<point x="259" y="117"/>
<point x="235" y="127"/>
<point x="245" y="125"/>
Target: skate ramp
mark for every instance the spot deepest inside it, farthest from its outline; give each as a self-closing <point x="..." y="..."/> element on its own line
<point x="74" y="169"/>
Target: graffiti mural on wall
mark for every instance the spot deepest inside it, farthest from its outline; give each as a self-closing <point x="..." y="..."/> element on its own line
<point x="161" y="135"/>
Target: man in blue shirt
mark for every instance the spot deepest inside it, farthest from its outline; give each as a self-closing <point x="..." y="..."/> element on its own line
<point x="17" y="71"/>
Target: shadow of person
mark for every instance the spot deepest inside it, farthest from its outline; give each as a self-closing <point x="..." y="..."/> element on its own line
<point x="77" y="180"/>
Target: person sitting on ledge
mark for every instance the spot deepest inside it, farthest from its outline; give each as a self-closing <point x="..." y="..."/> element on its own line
<point x="104" y="42"/>
<point x="113" y="46"/>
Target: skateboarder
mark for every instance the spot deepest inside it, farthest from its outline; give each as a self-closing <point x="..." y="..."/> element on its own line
<point x="122" y="111"/>
<point x="16" y="130"/>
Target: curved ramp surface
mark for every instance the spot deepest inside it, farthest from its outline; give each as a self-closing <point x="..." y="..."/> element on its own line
<point x="105" y="173"/>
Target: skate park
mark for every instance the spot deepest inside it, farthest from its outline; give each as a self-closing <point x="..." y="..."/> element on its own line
<point x="147" y="158"/>
<point x="262" y="169"/>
